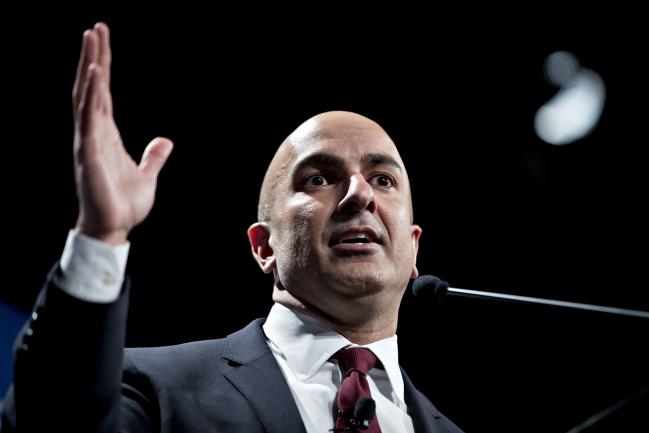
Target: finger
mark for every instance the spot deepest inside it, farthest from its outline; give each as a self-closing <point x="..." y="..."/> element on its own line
<point x="104" y="55"/>
<point x="88" y="56"/>
<point x="107" y="99"/>
<point x="90" y="104"/>
<point x="155" y="155"/>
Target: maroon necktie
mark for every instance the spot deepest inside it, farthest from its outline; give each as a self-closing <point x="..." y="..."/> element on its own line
<point x="355" y="362"/>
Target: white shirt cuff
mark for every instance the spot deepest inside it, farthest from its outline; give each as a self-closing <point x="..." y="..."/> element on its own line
<point x="92" y="270"/>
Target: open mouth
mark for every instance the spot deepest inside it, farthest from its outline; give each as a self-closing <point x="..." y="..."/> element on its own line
<point x="359" y="239"/>
<point x="355" y="237"/>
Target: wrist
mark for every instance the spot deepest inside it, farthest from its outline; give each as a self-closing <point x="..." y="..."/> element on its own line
<point x="111" y="237"/>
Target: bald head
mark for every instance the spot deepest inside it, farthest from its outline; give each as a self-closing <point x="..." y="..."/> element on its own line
<point x="343" y="127"/>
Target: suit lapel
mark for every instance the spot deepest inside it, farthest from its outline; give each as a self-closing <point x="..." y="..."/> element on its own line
<point x="424" y="415"/>
<point x="257" y="376"/>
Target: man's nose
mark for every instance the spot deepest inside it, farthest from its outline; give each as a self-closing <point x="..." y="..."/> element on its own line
<point x="359" y="196"/>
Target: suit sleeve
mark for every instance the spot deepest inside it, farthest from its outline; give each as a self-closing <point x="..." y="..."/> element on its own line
<point x="69" y="366"/>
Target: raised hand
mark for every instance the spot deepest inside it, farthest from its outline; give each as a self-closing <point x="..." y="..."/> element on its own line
<point x="115" y="193"/>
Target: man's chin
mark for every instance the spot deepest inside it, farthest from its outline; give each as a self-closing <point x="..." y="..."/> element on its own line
<point x="362" y="278"/>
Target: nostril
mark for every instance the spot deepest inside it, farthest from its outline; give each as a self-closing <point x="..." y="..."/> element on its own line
<point x="348" y="207"/>
<point x="351" y="206"/>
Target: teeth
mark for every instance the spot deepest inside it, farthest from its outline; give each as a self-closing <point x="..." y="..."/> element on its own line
<point x="355" y="238"/>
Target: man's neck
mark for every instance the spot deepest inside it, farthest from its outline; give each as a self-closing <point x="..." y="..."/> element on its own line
<point x="360" y="329"/>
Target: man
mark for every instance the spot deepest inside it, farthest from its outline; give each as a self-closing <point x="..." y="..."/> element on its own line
<point x="335" y="229"/>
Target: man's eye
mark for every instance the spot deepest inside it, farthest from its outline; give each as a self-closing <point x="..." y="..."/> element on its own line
<point x="384" y="180"/>
<point x="316" y="180"/>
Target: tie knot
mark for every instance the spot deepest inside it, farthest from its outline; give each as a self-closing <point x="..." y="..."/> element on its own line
<point x="356" y="358"/>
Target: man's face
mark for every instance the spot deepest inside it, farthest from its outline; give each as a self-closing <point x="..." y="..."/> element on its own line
<point x="341" y="224"/>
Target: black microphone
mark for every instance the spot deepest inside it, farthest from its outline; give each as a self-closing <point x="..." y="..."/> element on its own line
<point x="363" y="413"/>
<point x="360" y="418"/>
<point x="430" y="286"/>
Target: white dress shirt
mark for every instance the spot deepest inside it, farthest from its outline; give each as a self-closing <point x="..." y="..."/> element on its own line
<point x="302" y="347"/>
<point x="94" y="271"/>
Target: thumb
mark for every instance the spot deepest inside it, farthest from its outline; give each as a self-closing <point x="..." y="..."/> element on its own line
<point x="155" y="155"/>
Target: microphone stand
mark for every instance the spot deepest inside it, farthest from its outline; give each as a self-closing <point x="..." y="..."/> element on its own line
<point x="603" y="414"/>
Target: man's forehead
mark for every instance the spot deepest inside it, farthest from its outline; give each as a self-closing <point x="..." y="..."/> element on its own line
<point x="348" y="141"/>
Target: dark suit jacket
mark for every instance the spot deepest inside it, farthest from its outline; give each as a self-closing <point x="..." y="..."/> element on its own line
<point x="72" y="375"/>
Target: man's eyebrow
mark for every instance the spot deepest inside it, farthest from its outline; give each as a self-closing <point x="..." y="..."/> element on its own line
<point x="321" y="159"/>
<point x="329" y="159"/>
<point x="373" y="159"/>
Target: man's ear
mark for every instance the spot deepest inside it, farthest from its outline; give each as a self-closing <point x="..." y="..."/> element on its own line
<point x="416" y="234"/>
<point x="259" y="237"/>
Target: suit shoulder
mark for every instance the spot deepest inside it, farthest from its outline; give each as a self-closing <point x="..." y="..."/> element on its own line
<point x="186" y="356"/>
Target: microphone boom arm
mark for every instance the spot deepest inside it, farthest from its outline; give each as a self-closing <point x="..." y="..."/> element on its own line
<point x="531" y="300"/>
<point x="438" y="289"/>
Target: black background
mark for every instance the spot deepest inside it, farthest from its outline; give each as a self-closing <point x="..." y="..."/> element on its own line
<point x="500" y="209"/>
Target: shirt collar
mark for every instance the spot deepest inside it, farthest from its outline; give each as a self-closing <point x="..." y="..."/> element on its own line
<point x="387" y="351"/>
<point x="306" y="344"/>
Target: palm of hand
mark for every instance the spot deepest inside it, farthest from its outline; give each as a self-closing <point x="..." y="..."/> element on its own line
<point x="115" y="194"/>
